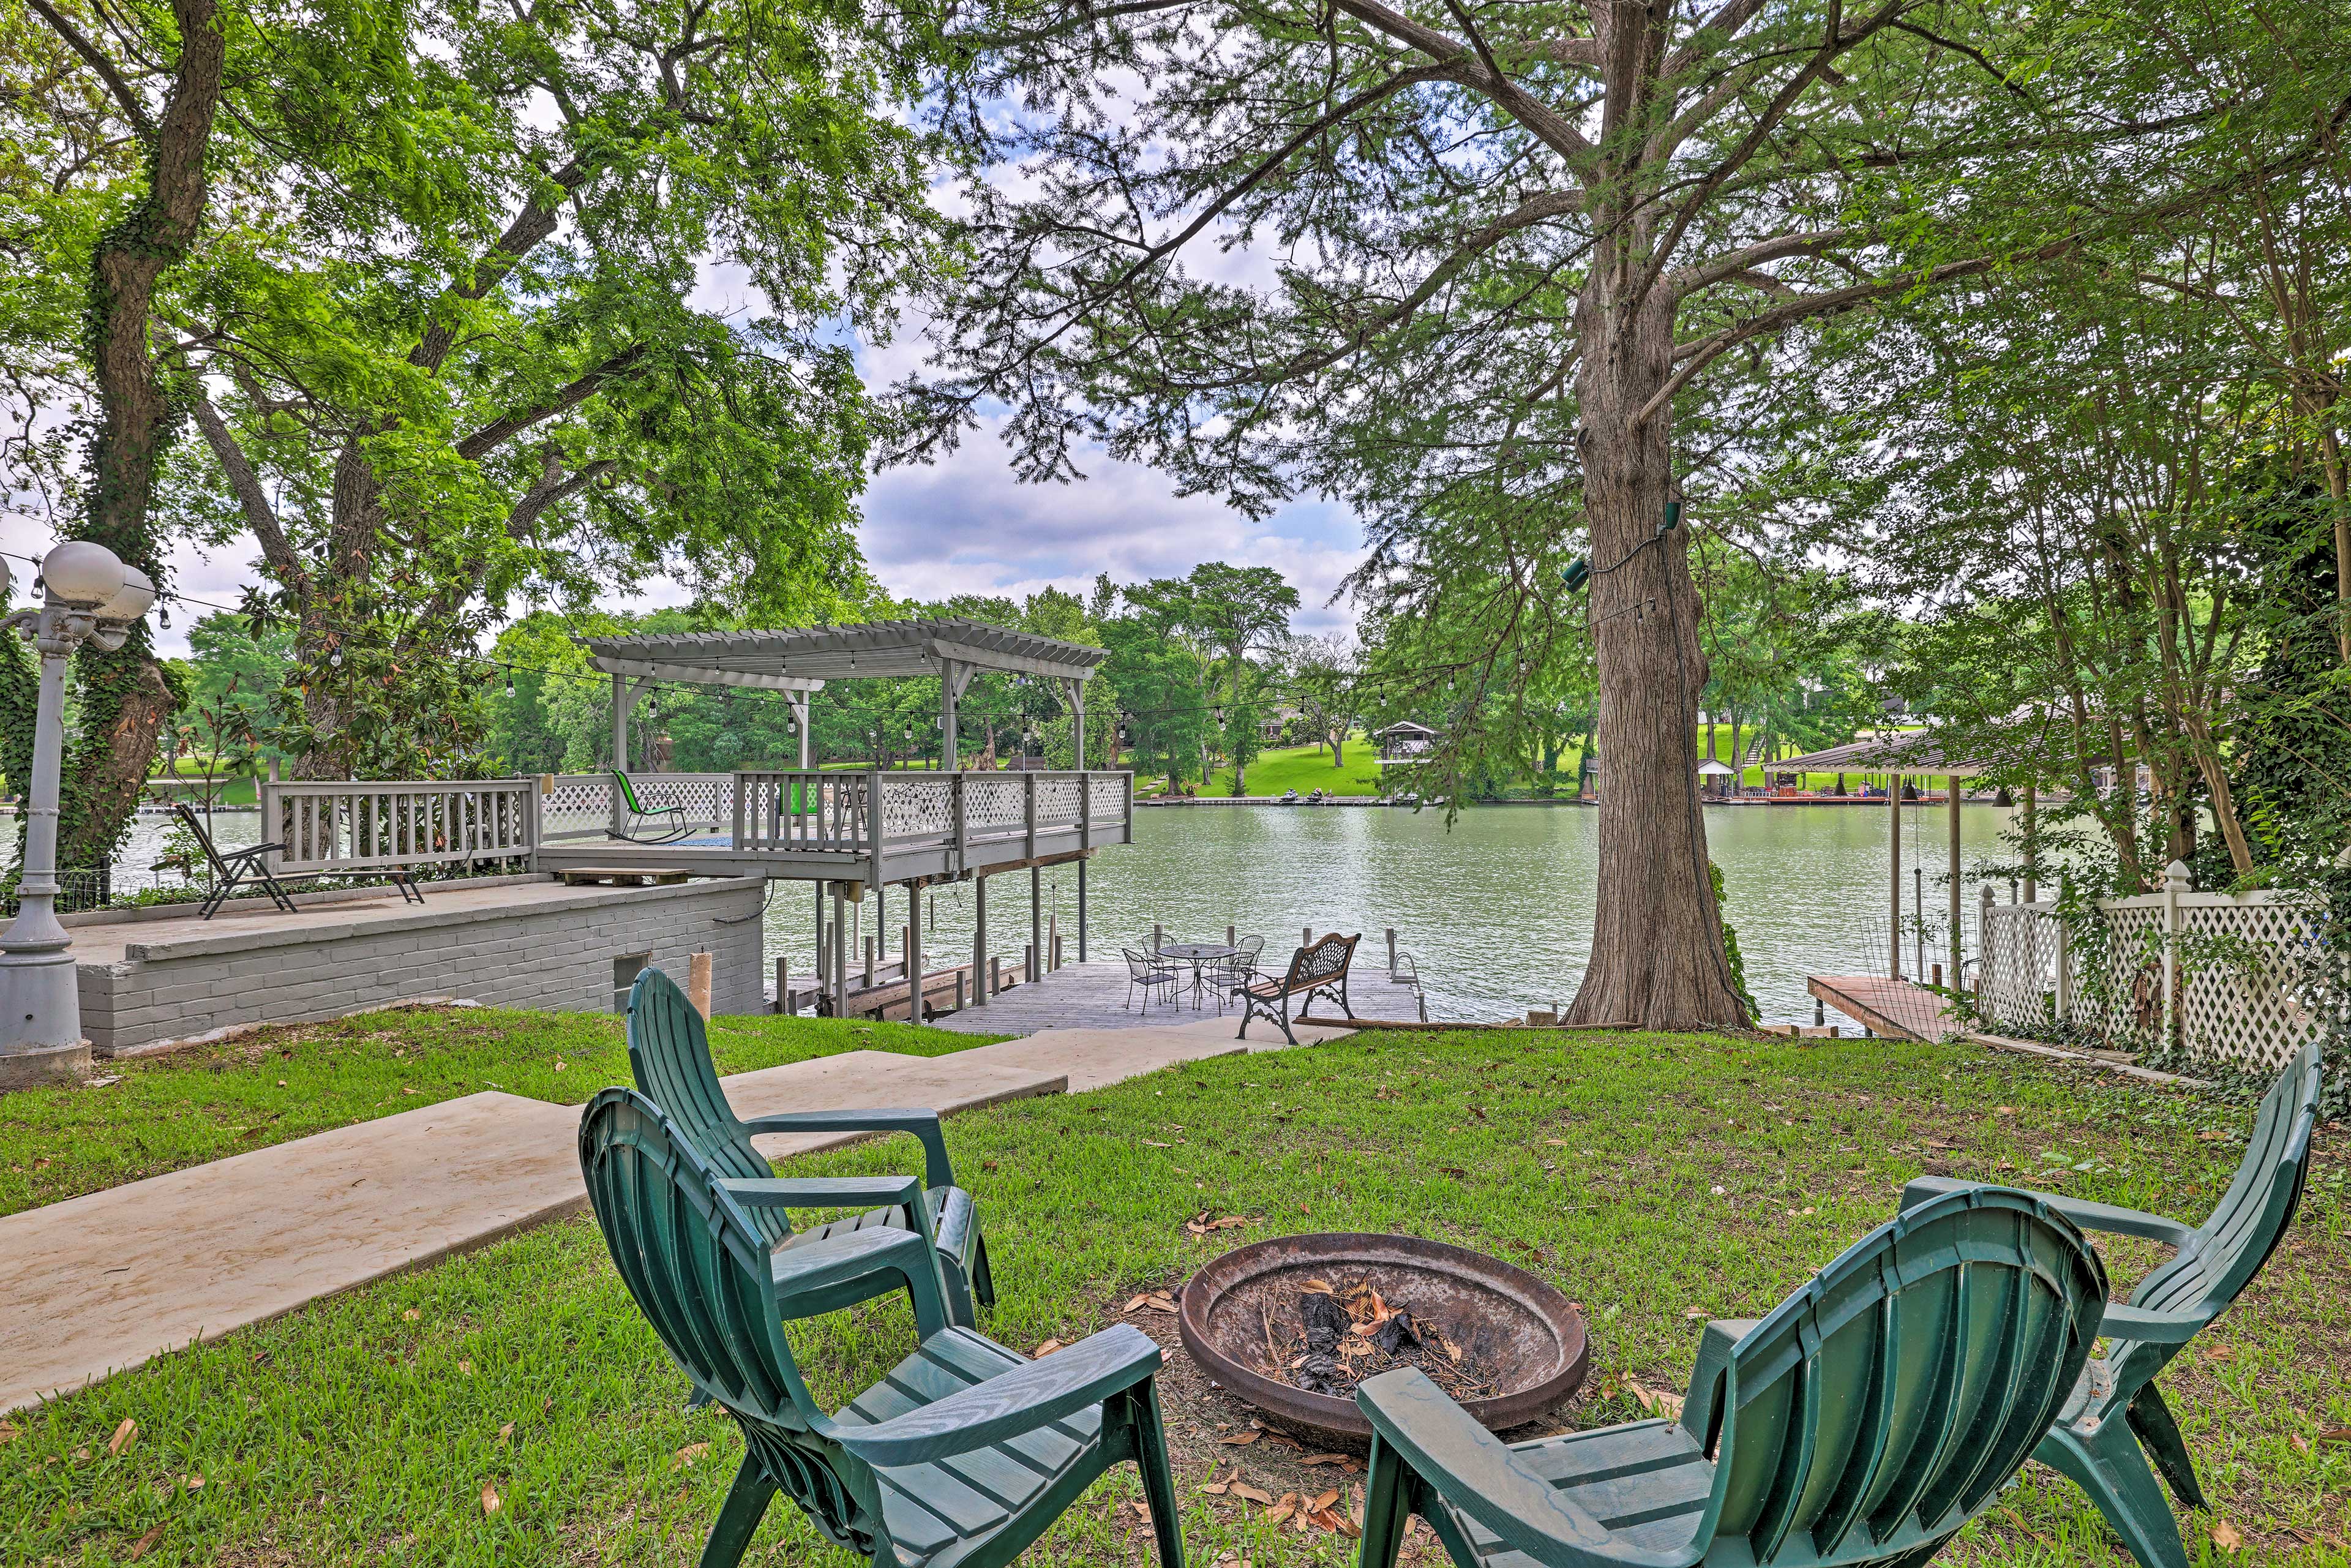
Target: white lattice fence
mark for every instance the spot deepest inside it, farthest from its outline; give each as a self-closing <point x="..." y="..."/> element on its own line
<point x="2019" y="947"/>
<point x="1108" y="797"/>
<point x="2241" y="961"/>
<point x="2219" y="971"/>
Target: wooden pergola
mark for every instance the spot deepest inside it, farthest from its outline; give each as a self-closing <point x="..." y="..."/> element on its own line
<point x="1920" y="753"/>
<point x="799" y="662"/>
<point x="803" y="661"/>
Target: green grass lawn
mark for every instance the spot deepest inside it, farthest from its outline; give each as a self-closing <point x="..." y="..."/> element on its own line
<point x="1652" y="1177"/>
<point x="263" y="1088"/>
<point x="1305" y="768"/>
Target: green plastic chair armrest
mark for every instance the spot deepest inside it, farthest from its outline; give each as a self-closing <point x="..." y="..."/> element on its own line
<point x="2104" y="1217"/>
<point x="1714" y="1348"/>
<point x="1475" y="1472"/>
<point x="829" y="1192"/>
<point x="818" y="1266"/>
<point x="2147" y="1327"/>
<point x="1011" y="1404"/>
<point x="937" y="1171"/>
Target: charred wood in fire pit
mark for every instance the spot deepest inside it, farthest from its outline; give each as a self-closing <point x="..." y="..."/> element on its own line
<point x="1327" y="1323"/>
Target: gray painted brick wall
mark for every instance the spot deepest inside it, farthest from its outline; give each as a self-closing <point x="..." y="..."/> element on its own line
<point x="557" y="956"/>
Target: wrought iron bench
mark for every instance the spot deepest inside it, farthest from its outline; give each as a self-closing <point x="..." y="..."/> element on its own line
<point x="1317" y="971"/>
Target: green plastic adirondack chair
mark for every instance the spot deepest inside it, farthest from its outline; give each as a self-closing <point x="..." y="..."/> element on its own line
<point x="669" y="1053"/>
<point x="960" y="1458"/>
<point x="2213" y="1263"/>
<point x="1868" y="1417"/>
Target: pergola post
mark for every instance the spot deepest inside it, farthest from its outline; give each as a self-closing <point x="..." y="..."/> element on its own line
<point x="621" y="695"/>
<point x="979" y="941"/>
<point x="950" y="689"/>
<point x="1893" y="842"/>
<point x="1951" y="789"/>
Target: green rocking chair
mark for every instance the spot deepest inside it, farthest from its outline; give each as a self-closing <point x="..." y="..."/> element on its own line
<point x="1867" y="1419"/>
<point x="674" y="823"/>
<point x="669" y="1053"/>
<point x="2116" y="1419"/>
<point x="960" y="1458"/>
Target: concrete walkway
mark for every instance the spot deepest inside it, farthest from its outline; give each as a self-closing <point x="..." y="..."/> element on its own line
<point x="101" y="1284"/>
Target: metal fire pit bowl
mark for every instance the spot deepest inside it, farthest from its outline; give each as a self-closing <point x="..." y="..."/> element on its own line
<point x="1522" y="1327"/>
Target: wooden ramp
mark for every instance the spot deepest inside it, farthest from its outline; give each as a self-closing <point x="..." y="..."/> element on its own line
<point x="1898" y="1010"/>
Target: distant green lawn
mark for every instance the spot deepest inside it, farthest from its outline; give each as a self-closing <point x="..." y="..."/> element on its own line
<point x="1305" y="768"/>
<point x="1655" y="1178"/>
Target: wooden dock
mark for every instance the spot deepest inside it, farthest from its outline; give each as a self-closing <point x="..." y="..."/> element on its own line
<point x="1898" y="1010"/>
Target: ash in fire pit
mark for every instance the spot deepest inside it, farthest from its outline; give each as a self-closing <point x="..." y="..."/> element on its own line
<point x="1341" y="1334"/>
<point x="1292" y="1325"/>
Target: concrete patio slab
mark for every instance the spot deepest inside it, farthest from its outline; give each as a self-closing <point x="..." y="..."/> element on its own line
<point x="1094" y="1057"/>
<point x="100" y="1283"/>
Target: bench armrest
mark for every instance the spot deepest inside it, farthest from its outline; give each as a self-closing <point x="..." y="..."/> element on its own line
<point x="1011" y="1403"/>
<point x="2089" y="1216"/>
<point x="1476" y="1472"/>
<point x="923" y="1125"/>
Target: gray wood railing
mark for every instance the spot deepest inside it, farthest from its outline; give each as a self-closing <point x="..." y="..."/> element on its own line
<point x="331" y="825"/>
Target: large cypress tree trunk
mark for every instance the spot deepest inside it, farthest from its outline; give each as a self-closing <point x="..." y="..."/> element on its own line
<point x="1656" y="939"/>
<point x="125" y="700"/>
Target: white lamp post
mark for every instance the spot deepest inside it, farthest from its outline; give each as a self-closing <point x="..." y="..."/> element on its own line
<point x="90" y="597"/>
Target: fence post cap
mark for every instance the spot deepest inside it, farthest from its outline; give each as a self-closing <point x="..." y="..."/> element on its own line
<point x="2175" y="876"/>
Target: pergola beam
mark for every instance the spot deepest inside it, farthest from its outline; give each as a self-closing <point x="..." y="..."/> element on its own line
<point x="655" y="669"/>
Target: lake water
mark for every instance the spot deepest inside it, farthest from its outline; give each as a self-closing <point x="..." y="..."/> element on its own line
<point x="1497" y="909"/>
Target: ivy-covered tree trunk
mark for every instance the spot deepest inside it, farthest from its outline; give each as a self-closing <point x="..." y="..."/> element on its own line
<point x="125" y="697"/>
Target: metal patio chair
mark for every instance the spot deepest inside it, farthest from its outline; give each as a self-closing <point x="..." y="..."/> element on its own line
<point x="1150" y="974"/>
<point x="640" y="813"/>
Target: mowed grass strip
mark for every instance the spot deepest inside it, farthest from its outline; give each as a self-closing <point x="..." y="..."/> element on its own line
<point x="206" y="1102"/>
<point x="1650" y="1177"/>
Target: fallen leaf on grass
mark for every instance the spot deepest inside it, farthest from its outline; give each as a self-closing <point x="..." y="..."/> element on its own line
<point x="1311" y="1460"/>
<point x="2301" y="1444"/>
<point x="2219" y="1353"/>
<point x="1042" y="1351"/>
<point x="122" y="1435"/>
<point x="1699" y="1313"/>
<point x="506" y="1433"/>
<point x="490" y="1504"/>
<point x="1248" y="1493"/>
<point x="1201" y="1225"/>
<point x="1455" y="1172"/>
<point x="193" y="1483"/>
<point x="688" y="1454"/>
<point x="2226" y="1536"/>
<point x="1654" y="1401"/>
<point x="145" y="1543"/>
<point x="465" y="1367"/>
<point x="2335" y="1434"/>
<point x="1325" y="1500"/>
<point x="1155" y="1143"/>
<point x="411" y="1316"/>
<point x="1241" y="1439"/>
<point x="1142" y="1511"/>
<point x="1337" y="1523"/>
<point x="9" y="1433"/>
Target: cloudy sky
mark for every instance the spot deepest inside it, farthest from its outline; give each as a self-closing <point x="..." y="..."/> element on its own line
<point x="962" y="524"/>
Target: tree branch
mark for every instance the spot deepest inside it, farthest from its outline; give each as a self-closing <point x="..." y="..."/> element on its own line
<point x="245" y="484"/>
<point x="1688" y="280"/>
<point x="473" y="447"/>
<point x="533" y="224"/>
<point x="1476" y="70"/>
<point x="132" y="109"/>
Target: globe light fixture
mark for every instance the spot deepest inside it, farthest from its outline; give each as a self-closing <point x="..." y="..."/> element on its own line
<point x="91" y="596"/>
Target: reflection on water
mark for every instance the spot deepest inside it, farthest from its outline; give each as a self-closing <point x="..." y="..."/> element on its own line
<point x="1498" y="910"/>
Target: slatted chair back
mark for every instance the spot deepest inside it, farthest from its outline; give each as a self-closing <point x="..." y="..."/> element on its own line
<point x="1885" y="1402"/>
<point x="698" y="1269"/>
<point x="669" y="1054"/>
<point x="2201" y="1279"/>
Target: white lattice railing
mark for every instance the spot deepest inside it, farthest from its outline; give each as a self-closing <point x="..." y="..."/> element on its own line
<point x="330" y="826"/>
<point x="806" y="809"/>
<point x="581" y="805"/>
<point x="2221" y="972"/>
